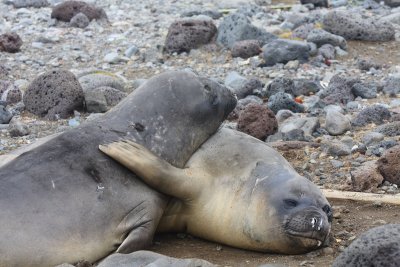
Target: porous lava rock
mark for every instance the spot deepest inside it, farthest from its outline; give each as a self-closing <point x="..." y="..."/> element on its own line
<point x="185" y="35"/>
<point x="366" y="178"/>
<point x="68" y="9"/>
<point x="10" y="42"/>
<point x="389" y="165"/>
<point x="54" y="94"/>
<point x="258" y="121"/>
<point x="246" y="48"/>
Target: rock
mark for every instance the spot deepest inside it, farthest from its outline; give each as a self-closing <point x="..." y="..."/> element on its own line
<point x="336" y="123"/>
<point x="237" y="27"/>
<point x="54" y="94"/>
<point x="336" y="163"/>
<point x="214" y="14"/>
<point x="113" y="58"/>
<point x="9" y="92"/>
<point x="98" y="78"/>
<point x="280" y="84"/>
<point x="236" y="82"/>
<point x="3" y="72"/>
<point x="321" y="37"/>
<point x="305" y="87"/>
<point x="378" y="246"/>
<point x="17" y="128"/>
<point x="366" y="91"/>
<point x="246" y="48"/>
<point x="10" y="42"/>
<point x="377" y="114"/>
<point x="283" y="114"/>
<point x="101" y="99"/>
<point x="250" y="87"/>
<point x="391" y="85"/>
<point x="381" y="147"/>
<point x="185" y="35"/>
<point x="258" y="121"/>
<point x="148" y="258"/>
<point x="79" y="21"/>
<point x="30" y="3"/>
<point x="5" y="115"/>
<point x="366" y="178"/>
<point x="241" y="104"/>
<point x="327" y="51"/>
<point x="372" y="138"/>
<point x="283" y="51"/>
<point x="389" y="165"/>
<point x="284" y="101"/>
<point x="308" y="125"/>
<point x="294" y="135"/>
<point x="316" y="3"/>
<point x="65" y="11"/>
<point x="303" y="31"/>
<point x="336" y="148"/>
<point x="389" y="129"/>
<point x="339" y="90"/>
<point x="352" y="26"/>
<point x="367" y="64"/>
<point x="132" y="50"/>
<point x="392" y="3"/>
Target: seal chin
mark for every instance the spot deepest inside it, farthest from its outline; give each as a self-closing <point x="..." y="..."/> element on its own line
<point x="306" y="239"/>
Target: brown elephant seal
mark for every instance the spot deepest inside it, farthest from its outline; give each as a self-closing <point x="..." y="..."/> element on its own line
<point x="65" y="201"/>
<point x="235" y="190"/>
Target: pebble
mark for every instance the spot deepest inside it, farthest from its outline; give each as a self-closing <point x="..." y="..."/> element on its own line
<point x="336" y="123"/>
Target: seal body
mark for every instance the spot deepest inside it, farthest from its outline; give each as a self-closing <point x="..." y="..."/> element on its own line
<point x="235" y="190"/>
<point x="65" y="201"/>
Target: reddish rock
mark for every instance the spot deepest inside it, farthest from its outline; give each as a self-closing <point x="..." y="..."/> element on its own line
<point x="389" y="165"/>
<point x="68" y="9"/>
<point x="10" y="42"/>
<point x="258" y="121"/>
<point x="367" y="177"/>
<point x="246" y="48"/>
<point x="185" y="35"/>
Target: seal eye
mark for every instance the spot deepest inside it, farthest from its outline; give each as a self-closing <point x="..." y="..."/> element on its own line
<point x="290" y="203"/>
<point x="327" y="209"/>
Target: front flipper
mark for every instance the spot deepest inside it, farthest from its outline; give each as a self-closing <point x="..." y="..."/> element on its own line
<point x="154" y="171"/>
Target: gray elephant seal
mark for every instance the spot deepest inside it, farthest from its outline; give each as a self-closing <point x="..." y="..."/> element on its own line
<point x="235" y="190"/>
<point x="65" y="201"/>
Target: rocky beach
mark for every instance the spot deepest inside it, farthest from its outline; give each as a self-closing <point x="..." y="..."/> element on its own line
<point x="319" y="81"/>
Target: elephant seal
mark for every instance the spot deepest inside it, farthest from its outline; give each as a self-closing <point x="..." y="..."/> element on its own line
<point x="65" y="201"/>
<point x="235" y="190"/>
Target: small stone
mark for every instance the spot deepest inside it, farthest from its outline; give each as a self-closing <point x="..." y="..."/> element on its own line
<point x="372" y="138"/>
<point x="284" y="101"/>
<point x="366" y="91"/>
<point x="327" y="51"/>
<point x="246" y="48"/>
<point x="339" y="90"/>
<point x="366" y="64"/>
<point x="336" y="148"/>
<point x="67" y="10"/>
<point x="337" y="123"/>
<point x="17" y="128"/>
<point x="389" y="165"/>
<point x="30" y="3"/>
<point x="392" y="85"/>
<point x="132" y="50"/>
<point x="79" y="21"/>
<point x="377" y="114"/>
<point x="10" y="42"/>
<point x="113" y="58"/>
<point x="321" y="37"/>
<point x="366" y="178"/>
<point x="5" y="115"/>
<point x="283" y="51"/>
<point x="389" y="129"/>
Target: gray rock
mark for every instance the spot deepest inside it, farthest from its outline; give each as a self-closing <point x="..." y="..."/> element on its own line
<point x="101" y="99"/>
<point x="132" y="50"/>
<point x="321" y="37"/>
<point x="29" y="3"/>
<point x="113" y="58"/>
<point x="10" y="42"/>
<point x="283" y="51"/>
<point x="379" y="246"/>
<point x="242" y="103"/>
<point x="336" y="163"/>
<point x="305" y="87"/>
<point x="284" y="101"/>
<point x="237" y="27"/>
<point x="372" y="138"/>
<point x="5" y="115"/>
<point x="54" y="94"/>
<point x="280" y="84"/>
<point x="367" y="64"/>
<point x="316" y="3"/>
<point x="377" y="114"/>
<point x="391" y="85"/>
<point x="67" y="10"/>
<point x="283" y="114"/>
<point x="9" y="93"/>
<point x="389" y="129"/>
<point x="336" y="123"/>
<point x="295" y="135"/>
<point x="336" y="148"/>
<point x="339" y="90"/>
<point x="148" y="258"/>
<point x="352" y="26"/>
<point x="303" y="31"/>
<point x="95" y="79"/>
<point x="214" y="14"/>
<point x="392" y="18"/>
<point x="185" y="35"/>
<point x="17" y="128"/>
<point x="392" y="3"/>
<point x="381" y="148"/>
<point x="79" y="21"/>
<point x="308" y="125"/>
<point x="364" y="90"/>
<point x="235" y="82"/>
<point x="327" y="51"/>
<point x="366" y="178"/>
<point x="246" y="48"/>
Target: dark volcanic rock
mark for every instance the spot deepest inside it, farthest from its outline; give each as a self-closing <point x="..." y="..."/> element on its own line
<point x="283" y="51"/>
<point x="258" y="121"/>
<point x="185" y="35"/>
<point x="10" y="42"/>
<point x="246" y="48"/>
<point x="79" y="21"/>
<point x="366" y="91"/>
<point x="321" y="37"/>
<point x="389" y="129"/>
<point x="352" y="26"/>
<point x="389" y="165"/>
<point x="316" y="3"/>
<point x="339" y="90"/>
<point x="54" y="94"/>
<point x="5" y="115"/>
<point x="68" y="9"/>
<point x="284" y="101"/>
<point x="305" y="87"/>
<point x="379" y="246"/>
<point x="9" y="92"/>
<point x="377" y="114"/>
<point x="237" y="27"/>
<point x="280" y="84"/>
<point x="392" y="85"/>
<point x="30" y="3"/>
<point x="366" y="178"/>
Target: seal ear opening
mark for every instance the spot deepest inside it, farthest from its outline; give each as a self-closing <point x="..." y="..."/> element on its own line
<point x="153" y="170"/>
